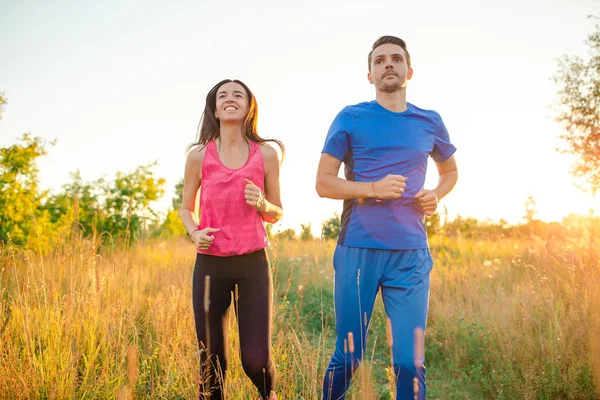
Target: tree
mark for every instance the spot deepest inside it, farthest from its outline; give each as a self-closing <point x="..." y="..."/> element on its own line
<point x="530" y="209"/>
<point x="120" y="207"/>
<point x="127" y="201"/>
<point x="19" y="197"/>
<point x="306" y="232"/>
<point x="178" y="199"/>
<point x="463" y="227"/>
<point x="288" y="234"/>
<point x="78" y="201"/>
<point x="172" y="226"/>
<point x="331" y="227"/>
<point x="578" y="111"/>
<point x="31" y="218"/>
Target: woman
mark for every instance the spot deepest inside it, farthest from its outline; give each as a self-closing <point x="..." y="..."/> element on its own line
<point x="238" y="174"/>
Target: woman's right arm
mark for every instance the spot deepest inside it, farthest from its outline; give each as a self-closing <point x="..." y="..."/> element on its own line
<point x="191" y="183"/>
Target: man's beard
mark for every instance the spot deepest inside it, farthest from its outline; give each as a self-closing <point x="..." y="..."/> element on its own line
<point x="389" y="87"/>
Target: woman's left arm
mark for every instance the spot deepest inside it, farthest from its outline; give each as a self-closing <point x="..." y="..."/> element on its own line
<point x="269" y="202"/>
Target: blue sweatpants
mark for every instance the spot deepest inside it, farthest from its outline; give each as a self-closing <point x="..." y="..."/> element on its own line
<point x="403" y="276"/>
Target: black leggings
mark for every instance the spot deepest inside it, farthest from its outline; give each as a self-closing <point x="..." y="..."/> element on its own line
<point x="248" y="279"/>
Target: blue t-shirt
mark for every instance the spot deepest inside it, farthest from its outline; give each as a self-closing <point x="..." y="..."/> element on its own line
<point x="373" y="142"/>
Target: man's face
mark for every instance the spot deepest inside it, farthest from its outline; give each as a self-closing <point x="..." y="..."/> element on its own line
<point x="389" y="69"/>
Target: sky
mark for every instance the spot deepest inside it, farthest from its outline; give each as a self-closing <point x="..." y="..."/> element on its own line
<point x="120" y="84"/>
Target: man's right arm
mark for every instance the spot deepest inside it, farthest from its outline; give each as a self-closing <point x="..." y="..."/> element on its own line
<point x="331" y="186"/>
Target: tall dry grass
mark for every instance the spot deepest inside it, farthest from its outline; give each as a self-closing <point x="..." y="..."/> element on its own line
<point x="508" y="319"/>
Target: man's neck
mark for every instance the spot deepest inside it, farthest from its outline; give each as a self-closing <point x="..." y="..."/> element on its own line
<point x="395" y="101"/>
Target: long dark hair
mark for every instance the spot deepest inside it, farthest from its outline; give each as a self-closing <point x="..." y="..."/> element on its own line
<point x="209" y="126"/>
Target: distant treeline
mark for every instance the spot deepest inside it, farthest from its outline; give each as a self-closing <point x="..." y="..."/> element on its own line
<point x="117" y="211"/>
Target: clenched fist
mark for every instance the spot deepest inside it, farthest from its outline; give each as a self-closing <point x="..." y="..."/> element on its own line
<point x="427" y="201"/>
<point x="390" y="187"/>
<point x="254" y="196"/>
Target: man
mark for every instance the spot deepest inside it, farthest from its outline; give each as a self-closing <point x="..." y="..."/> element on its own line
<point x="384" y="145"/>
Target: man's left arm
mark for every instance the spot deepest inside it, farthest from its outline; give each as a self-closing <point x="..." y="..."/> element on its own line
<point x="428" y="199"/>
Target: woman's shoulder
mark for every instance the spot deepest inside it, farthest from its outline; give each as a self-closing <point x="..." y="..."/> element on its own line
<point x="197" y="154"/>
<point x="268" y="152"/>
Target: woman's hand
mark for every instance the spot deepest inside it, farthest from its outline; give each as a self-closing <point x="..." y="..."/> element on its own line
<point x="254" y="196"/>
<point x="202" y="238"/>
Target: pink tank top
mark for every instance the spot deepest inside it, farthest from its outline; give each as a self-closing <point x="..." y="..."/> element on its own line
<point x="223" y="204"/>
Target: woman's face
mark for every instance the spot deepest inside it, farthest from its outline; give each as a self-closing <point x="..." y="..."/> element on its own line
<point x="232" y="103"/>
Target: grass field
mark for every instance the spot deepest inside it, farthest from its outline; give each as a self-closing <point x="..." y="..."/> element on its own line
<point x="509" y="319"/>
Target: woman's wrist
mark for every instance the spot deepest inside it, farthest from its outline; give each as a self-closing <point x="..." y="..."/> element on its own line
<point x="261" y="204"/>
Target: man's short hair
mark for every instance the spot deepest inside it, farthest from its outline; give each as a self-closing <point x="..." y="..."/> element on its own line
<point x="393" y="40"/>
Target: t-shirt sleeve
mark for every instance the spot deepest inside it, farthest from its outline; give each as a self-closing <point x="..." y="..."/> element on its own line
<point x="442" y="148"/>
<point x="338" y="139"/>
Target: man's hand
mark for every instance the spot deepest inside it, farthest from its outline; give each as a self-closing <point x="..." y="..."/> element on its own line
<point x="390" y="187"/>
<point x="427" y="201"/>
